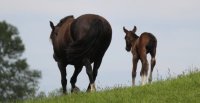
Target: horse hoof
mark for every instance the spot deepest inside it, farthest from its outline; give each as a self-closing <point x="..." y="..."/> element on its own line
<point x="64" y="93"/>
<point x="89" y="90"/>
<point x="75" y="90"/>
<point x="93" y="88"/>
<point x="150" y="80"/>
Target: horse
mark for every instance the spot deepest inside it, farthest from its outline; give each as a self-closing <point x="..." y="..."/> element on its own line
<point x="140" y="46"/>
<point x="80" y="42"/>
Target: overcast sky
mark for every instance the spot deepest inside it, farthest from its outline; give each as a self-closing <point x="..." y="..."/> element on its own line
<point x="175" y="23"/>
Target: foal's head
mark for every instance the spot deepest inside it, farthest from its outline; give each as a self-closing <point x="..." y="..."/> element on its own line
<point x="130" y="37"/>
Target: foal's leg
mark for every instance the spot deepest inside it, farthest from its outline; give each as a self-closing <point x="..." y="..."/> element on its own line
<point x="153" y="62"/>
<point x="90" y="74"/>
<point x="73" y="80"/>
<point x="145" y="67"/>
<point x="135" y="61"/>
<point x="63" y="73"/>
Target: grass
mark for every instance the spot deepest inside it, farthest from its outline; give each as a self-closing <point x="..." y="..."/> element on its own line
<point x="183" y="89"/>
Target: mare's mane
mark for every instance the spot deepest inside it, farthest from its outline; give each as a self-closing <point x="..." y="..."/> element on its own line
<point x="64" y="19"/>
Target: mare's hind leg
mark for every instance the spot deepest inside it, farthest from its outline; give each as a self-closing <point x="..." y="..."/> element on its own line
<point x="73" y="80"/>
<point x="89" y="72"/>
<point x="145" y="67"/>
<point x="135" y="61"/>
<point x="153" y="62"/>
<point x="95" y="71"/>
<point x="63" y="73"/>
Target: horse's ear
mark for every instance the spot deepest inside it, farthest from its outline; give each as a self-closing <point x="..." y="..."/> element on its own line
<point x="134" y="29"/>
<point x="52" y="25"/>
<point x="125" y="30"/>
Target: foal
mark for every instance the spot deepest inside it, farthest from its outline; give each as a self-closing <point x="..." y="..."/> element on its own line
<point x="140" y="47"/>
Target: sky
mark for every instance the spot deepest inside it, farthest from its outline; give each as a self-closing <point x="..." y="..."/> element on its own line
<point x="175" y="23"/>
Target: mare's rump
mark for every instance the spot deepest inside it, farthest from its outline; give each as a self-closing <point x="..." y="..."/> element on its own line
<point x="91" y="35"/>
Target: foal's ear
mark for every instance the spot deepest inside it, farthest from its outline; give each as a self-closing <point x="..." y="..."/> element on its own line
<point x="52" y="25"/>
<point x="134" y="29"/>
<point x="125" y="30"/>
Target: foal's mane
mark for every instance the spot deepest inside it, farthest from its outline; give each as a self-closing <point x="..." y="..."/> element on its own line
<point x="64" y="19"/>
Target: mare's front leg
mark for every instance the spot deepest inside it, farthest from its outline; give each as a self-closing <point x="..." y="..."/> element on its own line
<point x="89" y="72"/>
<point x="62" y="68"/>
<point x="73" y="80"/>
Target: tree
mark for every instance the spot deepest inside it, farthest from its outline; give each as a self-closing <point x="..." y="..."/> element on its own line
<point x="17" y="81"/>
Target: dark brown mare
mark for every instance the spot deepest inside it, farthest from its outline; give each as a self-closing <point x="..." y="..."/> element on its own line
<point x="140" y="47"/>
<point x="80" y="42"/>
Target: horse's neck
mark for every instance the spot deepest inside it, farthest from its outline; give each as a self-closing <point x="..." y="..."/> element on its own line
<point x="134" y="44"/>
<point x="134" y="41"/>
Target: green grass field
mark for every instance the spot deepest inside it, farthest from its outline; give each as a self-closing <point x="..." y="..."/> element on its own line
<point x="183" y="89"/>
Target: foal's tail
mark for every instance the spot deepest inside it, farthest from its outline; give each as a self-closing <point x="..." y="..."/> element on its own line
<point x="86" y="46"/>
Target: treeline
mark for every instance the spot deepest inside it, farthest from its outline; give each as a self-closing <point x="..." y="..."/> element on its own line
<point x="17" y="80"/>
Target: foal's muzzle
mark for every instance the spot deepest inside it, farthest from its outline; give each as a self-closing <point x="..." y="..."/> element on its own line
<point x="128" y="49"/>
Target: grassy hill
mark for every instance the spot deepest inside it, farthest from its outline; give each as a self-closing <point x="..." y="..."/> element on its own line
<point x="183" y="89"/>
